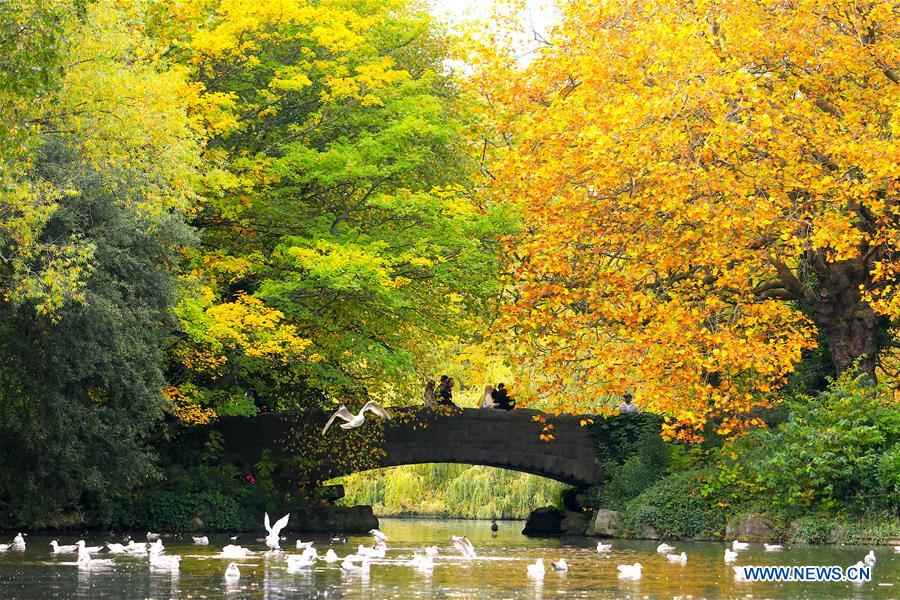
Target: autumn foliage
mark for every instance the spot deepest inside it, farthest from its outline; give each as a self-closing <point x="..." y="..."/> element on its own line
<point x="705" y="186"/>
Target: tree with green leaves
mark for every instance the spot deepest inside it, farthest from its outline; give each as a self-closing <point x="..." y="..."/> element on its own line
<point x="100" y="157"/>
<point x="31" y="68"/>
<point x="347" y="241"/>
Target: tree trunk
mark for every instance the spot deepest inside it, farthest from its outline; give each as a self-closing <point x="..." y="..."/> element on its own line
<point x="852" y="333"/>
<point x="849" y="323"/>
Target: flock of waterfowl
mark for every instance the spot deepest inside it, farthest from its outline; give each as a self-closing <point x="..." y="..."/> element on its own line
<point x="634" y="571"/>
<point x="154" y="549"/>
<point x="357" y="562"/>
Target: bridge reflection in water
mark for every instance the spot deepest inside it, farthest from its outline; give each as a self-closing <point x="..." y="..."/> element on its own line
<point x="416" y="435"/>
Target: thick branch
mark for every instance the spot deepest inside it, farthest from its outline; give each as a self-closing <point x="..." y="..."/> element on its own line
<point x="790" y="281"/>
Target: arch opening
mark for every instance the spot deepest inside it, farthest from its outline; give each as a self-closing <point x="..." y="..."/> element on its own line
<point x="448" y="489"/>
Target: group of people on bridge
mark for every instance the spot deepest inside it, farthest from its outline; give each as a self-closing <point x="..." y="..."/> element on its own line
<point x="494" y="397"/>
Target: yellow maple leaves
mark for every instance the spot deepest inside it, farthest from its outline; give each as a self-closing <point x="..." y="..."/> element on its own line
<point x="675" y="163"/>
<point x="185" y="409"/>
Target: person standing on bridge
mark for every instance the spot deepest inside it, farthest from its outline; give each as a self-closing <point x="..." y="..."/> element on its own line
<point x="627" y="407"/>
<point x="446" y="391"/>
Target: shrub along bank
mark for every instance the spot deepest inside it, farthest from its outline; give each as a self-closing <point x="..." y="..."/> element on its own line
<point x="826" y="470"/>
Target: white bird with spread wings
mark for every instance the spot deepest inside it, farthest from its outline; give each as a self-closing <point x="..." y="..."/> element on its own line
<point x="273" y="540"/>
<point x="354" y="421"/>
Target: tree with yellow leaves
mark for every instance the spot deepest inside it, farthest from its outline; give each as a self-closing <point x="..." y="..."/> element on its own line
<point x="706" y="186"/>
<point x="341" y="241"/>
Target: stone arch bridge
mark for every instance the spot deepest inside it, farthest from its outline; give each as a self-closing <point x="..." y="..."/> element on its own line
<point x="416" y="435"/>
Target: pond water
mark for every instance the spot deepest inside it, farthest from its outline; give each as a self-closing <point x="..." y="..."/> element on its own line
<point x="498" y="572"/>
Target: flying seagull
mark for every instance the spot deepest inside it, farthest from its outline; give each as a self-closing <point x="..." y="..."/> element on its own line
<point x="354" y="421"/>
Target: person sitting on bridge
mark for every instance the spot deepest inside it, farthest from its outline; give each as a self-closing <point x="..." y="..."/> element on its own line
<point x="429" y="393"/>
<point x="488" y="400"/>
<point x="627" y="406"/>
<point x="502" y="399"/>
<point x="445" y="391"/>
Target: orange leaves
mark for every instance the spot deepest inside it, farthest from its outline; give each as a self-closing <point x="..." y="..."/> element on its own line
<point x="663" y="156"/>
<point x="186" y="409"/>
<point x="546" y="434"/>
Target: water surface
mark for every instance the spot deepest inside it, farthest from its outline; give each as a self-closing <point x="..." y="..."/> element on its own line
<point x="498" y="572"/>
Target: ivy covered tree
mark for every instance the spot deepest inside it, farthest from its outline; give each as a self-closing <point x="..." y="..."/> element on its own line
<point x="99" y="160"/>
<point x="81" y="392"/>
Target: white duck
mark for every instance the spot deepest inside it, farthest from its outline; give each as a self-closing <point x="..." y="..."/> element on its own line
<point x="330" y="556"/>
<point x="152" y="537"/>
<point x="379" y="535"/>
<point x="156" y="547"/>
<point x="82" y="547"/>
<point x="736" y="545"/>
<point x="630" y="571"/>
<point x="773" y="547"/>
<point x="601" y="547"/>
<point x="115" y="548"/>
<point x="537" y="569"/>
<point x="57" y="549"/>
<point x="738" y="573"/>
<point x="136" y="549"/>
<point x="272" y="540"/>
<point x="665" y="548"/>
<point x="896" y="549"/>
<point x="431" y="551"/>
<point x="560" y="565"/>
<point x="730" y="555"/>
<point x="678" y="558"/>
<point x="4" y="547"/>
<point x="233" y="551"/>
<point x="349" y="564"/>
<point x="303" y="545"/>
<point x="423" y="563"/>
<point x="86" y="562"/>
<point x="354" y="421"/>
<point x="200" y="540"/>
<point x="374" y="552"/>
<point x="169" y="563"/>
<point x="232" y="573"/>
<point x="869" y="558"/>
<point x="463" y="544"/>
<point x="18" y="542"/>
<point x="301" y="561"/>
